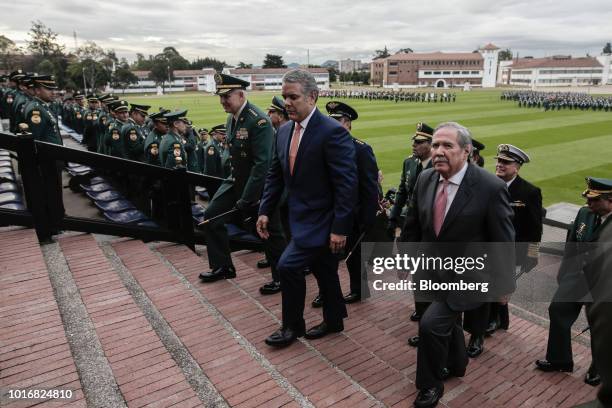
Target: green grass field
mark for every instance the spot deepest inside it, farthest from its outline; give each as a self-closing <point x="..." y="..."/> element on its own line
<point x="565" y="146"/>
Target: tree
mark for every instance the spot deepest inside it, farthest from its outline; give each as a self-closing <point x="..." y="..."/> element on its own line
<point x="8" y="52"/>
<point x="273" y="61"/>
<point x="244" y="65"/>
<point x="161" y="71"/>
<point x="384" y="53"/>
<point x="141" y="63"/>
<point x="607" y="49"/>
<point x="505" y="55"/>
<point x="207" y="62"/>
<point x="175" y="60"/>
<point x="43" y="41"/>
<point x="404" y="51"/>
<point x="333" y="74"/>
<point x="123" y="77"/>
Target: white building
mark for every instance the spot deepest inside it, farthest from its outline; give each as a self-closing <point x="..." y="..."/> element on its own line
<point x="559" y="70"/>
<point x="184" y="80"/>
<point x="348" y="65"/>
<point x="606" y="61"/>
<point x="270" y="79"/>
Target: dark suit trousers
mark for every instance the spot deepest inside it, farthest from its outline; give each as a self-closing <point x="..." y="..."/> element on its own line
<point x="324" y="266"/>
<point x="562" y="317"/>
<point x="441" y="345"/>
<point x="355" y="266"/>
<point x="476" y="321"/>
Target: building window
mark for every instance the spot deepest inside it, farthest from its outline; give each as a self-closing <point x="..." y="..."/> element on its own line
<point x="475" y="72"/>
<point x="436" y="72"/>
<point x="446" y="72"/>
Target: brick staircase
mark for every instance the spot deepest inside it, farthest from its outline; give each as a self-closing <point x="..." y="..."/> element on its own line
<point x="123" y="323"/>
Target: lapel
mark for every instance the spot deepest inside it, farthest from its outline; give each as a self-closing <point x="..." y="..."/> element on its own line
<point x="463" y="196"/>
<point x="599" y="229"/>
<point x="430" y="197"/>
<point x="307" y="137"/>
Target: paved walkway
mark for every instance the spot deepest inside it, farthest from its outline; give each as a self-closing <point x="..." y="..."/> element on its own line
<point x="124" y="323"/>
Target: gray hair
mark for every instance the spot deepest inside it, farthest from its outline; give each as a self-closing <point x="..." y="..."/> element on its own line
<point x="464" y="137"/>
<point x="303" y="77"/>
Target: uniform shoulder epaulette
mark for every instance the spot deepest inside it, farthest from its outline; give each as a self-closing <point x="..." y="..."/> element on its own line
<point x="255" y="114"/>
<point x="361" y="142"/>
<point x="261" y="122"/>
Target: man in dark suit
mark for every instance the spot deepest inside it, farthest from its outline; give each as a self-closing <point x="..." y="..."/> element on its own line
<point x="315" y="162"/>
<point x="455" y="202"/>
<point x="526" y="201"/>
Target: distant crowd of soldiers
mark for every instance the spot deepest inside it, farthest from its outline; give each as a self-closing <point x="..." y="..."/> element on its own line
<point x="559" y="100"/>
<point x="395" y="96"/>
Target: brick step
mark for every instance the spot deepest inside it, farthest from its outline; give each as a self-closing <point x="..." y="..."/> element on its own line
<point x="503" y="375"/>
<point x="34" y="350"/>
<point x="235" y="373"/>
<point x="142" y="367"/>
<point x="307" y="369"/>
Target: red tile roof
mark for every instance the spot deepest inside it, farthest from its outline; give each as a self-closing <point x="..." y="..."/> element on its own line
<point x="550" y="62"/>
<point x="490" y="47"/>
<point x="247" y="71"/>
<point x="435" y="56"/>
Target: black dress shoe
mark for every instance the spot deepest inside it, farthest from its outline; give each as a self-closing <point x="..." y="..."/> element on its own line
<point x="493" y="326"/>
<point x="415" y="317"/>
<point x="475" y="346"/>
<point x="283" y="337"/>
<point x="547" y="366"/>
<point x="225" y="272"/>
<point x="270" y="288"/>
<point x="323" y="329"/>
<point x="592" y="379"/>
<point x="317" y="301"/>
<point x="428" y="397"/>
<point x="263" y="263"/>
<point x="413" y="341"/>
<point x="352" y="298"/>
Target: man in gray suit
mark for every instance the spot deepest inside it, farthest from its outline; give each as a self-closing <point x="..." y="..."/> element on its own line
<point x="455" y="202"/>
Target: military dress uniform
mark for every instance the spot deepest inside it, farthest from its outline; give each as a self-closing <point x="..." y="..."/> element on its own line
<point x="213" y="156"/>
<point x="250" y="138"/>
<point x="171" y="151"/>
<point x="133" y="135"/>
<point x="115" y="146"/>
<point x="90" y="119"/>
<point x="8" y="97"/>
<point x="572" y="293"/>
<point x="153" y="141"/>
<point x="21" y="99"/>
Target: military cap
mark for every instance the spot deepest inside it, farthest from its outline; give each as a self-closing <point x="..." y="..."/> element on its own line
<point x="78" y="95"/>
<point x="176" y="115"/>
<point x="597" y="187"/>
<point x="202" y="130"/>
<point x="511" y="153"/>
<point x="477" y="145"/>
<point x="337" y="110"/>
<point x="278" y="105"/>
<point x="16" y="75"/>
<point x="423" y="132"/>
<point x="120" y="106"/>
<point x="227" y="83"/>
<point x="28" y="79"/>
<point x="218" y="128"/>
<point x="159" y="116"/>
<point x="45" y="81"/>
<point x="3" y="77"/>
<point x="106" y="98"/>
<point x="140" y="108"/>
<point x="92" y="97"/>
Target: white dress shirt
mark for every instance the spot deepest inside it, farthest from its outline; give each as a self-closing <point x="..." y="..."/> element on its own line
<point x="453" y="186"/>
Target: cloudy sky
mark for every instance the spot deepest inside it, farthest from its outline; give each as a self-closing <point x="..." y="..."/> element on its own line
<point x="245" y="30"/>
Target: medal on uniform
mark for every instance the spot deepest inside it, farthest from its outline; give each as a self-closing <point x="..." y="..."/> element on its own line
<point x="133" y="135"/>
<point x="36" y="117"/>
<point x="115" y="134"/>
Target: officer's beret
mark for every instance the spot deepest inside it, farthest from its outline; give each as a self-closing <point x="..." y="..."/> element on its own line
<point x="176" y="115"/>
<point x="337" y="110"/>
<point x="140" y="108"/>
<point x="511" y="153"/>
<point x="597" y="187"/>
<point x="227" y="83"/>
<point x="423" y="132"/>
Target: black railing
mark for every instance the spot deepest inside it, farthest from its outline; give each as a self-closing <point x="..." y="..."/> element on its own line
<point x="36" y="159"/>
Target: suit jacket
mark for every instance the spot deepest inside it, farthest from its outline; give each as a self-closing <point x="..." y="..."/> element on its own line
<point x="526" y="201"/>
<point x="323" y="188"/>
<point x="480" y="212"/>
<point x="367" y="169"/>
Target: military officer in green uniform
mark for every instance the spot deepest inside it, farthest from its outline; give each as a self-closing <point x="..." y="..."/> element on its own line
<point x="153" y="141"/>
<point x="8" y="97"/>
<point x="214" y="155"/>
<point x="44" y="127"/>
<point x="573" y="290"/>
<point x="105" y="117"/>
<point x="412" y="167"/>
<point x="114" y="145"/>
<point x="171" y="152"/>
<point x="250" y="137"/>
<point x="22" y="98"/>
<point x="90" y="119"/>
<point x="190" y="145"/>
<point x="134" y="133"/>
<point x="78" y="112"/>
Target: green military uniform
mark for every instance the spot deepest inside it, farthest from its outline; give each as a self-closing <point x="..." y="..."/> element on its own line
<point x="411" y="169"/>
<point x="21" y="99"/>
<point x="214" y="157"/>
<point x="104" y="120"/>
<point x="90" y="119"/>
<point x="8" y="97"/>
<point x="78" y="113"/>
<point x="250" y="138"/>
<point x="41" y="122"/>
<point x="171" y="152"/>
<point x="133" y="135"/>
<point x="112" y="140"/>
<point x="153" y="141"/>
<point x="190" y="146"/>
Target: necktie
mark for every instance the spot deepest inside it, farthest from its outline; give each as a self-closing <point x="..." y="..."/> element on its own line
<point x="440" y="207"/>
<point x="295" y="140"/>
